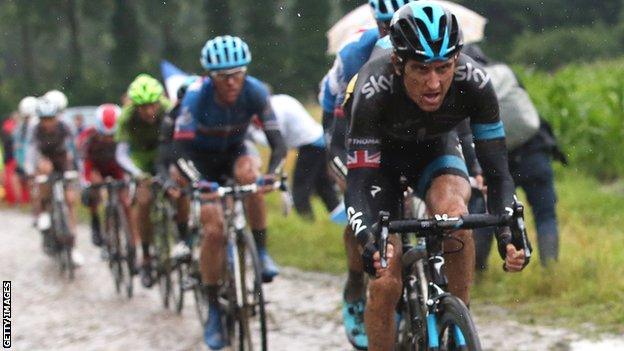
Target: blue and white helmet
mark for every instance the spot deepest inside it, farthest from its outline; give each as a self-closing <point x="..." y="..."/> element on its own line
<point x="385" y="9"/>
<point x="225" y="52"/>
<point x="425" y="31"/>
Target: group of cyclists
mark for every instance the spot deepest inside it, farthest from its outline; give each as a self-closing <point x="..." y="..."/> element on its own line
<point x="395" y="103"/>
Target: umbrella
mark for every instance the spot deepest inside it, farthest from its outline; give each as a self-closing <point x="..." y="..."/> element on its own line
<point x="360" y="19"/>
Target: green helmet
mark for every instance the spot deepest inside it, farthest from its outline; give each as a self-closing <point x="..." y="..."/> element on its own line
<point x="145" y="90"/>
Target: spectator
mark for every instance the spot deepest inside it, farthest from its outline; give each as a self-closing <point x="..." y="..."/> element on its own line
<point x="532" y="147"/>
<point x="13" y="189"/>
<point x="302" y="132"/>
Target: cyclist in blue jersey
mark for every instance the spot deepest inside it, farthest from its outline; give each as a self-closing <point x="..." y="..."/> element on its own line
<point x="351" y="57"/>
<point x="210" y="132"/>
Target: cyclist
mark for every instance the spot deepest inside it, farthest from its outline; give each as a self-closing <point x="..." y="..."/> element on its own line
<point x="51" y="149"/>
<point x="137" y="140"/>
<point x="404" y="126"/>
<point x="348" y="62"/>
<point x="217" y="111"/>
<point x="97" y="147"/>
<point x="28" y="118"/>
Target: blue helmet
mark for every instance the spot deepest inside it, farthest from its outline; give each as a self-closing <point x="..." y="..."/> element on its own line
<point x="384" y="9"/>
<point x="425" y="31"/>
<point x="225" y="52"/>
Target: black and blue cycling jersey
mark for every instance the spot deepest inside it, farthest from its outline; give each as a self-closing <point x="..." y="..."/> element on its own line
<point x="390" y="136"/>
<point x="207" y="127"/>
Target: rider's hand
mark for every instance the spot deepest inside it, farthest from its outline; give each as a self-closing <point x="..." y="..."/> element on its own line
<point x="371" y="258"/>
<point x="514" y="260"/>
<point x="480" y="182"/>
<point x="268" y="180"/>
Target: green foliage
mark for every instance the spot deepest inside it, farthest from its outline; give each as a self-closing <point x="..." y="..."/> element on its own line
<point x="586" y="285"/>
<point x="557" y="47"/>
<point x="584" y="104"/>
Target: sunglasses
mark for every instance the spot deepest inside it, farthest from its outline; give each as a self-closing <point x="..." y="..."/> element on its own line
<point x="231" y="73"/>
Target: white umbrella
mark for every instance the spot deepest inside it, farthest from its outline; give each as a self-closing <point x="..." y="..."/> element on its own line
<point x="353" y="23"/>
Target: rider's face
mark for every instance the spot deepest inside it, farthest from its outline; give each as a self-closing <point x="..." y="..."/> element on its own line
<point x="228" y="85"/>
<point x="148" y="112"/>
<point x="427" y="83"/>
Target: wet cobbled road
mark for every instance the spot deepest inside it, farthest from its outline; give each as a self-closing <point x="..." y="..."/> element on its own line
<point x="49" y="313"/>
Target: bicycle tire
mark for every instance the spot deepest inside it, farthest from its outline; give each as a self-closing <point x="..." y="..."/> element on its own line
<point x="454" y="316"/>
<point x="127" y="251"/>
<point x="64" y="239"/>
<point x="201" y="304"/>
<point x="113" y="247"/>
<point x="250" y="329"/>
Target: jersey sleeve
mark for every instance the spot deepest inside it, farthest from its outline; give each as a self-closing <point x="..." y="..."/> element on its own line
<point x="363" y="143"/>
<point x="489" y="135"/>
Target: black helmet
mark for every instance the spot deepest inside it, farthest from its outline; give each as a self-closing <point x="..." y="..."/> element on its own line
<point x="425" y="31"/>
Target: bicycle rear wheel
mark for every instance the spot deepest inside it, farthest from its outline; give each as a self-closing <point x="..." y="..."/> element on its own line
<point x="249" y="329"/>
<point x="456" y="330"/>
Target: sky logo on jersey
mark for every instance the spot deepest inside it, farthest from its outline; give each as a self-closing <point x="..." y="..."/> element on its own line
<point x="363" y="159"/>
<point x="469" y="72"/>
<point x="376" y="85"/>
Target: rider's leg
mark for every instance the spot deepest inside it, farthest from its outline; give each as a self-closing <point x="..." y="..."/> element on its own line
<point x="247" y="171"/>
<point x="212" y="264"/>
<point x="183" y="205"/>
<point x="355" y="287"/>
<point x="143" y="223"/>
<point x="93" y="200"/>
<point x="384" y="293"/>
<point x="304" y="177"/>
<point x="212" y="256"/>
<point x="449" y="194"/>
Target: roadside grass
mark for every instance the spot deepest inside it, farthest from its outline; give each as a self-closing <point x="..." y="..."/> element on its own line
<point x="585" y="286"/>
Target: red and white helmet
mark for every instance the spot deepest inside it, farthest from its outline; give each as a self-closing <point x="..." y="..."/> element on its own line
<point x="106" y="118"/>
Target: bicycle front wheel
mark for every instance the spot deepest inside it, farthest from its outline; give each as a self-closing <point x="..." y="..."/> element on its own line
<point x="250" y="329"/>
<point x="456" y="329"/>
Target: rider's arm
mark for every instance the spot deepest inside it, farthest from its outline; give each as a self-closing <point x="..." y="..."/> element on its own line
<point x="271" y="130"/>
<point x="363" y="160"/>
<point x="122" y="155"/>
<point x="491" y="151"/>
<point x="31" y="157"/>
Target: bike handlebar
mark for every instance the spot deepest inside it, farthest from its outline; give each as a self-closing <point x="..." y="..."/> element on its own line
<point x="442" y="223"/>
<point x="222" y="191"/>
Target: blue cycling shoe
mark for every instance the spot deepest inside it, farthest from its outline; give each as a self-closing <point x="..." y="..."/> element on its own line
<point x="269" y="268"/>
<point x="214" y="333"/>
<point x="353" y="318"/>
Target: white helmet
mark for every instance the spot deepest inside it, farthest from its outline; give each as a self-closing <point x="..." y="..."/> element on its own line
<point x="28" y="106"/>
<point x="47" y="108"/>
<point x="58" y="98"/>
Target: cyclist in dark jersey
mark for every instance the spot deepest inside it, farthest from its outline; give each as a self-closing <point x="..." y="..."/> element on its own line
<point x="51" y="150"/>
<point x="216" y="112"/>
<point x="97" y="147"/>
<point x="350" y="58"/>
<point x="404" y="106"/>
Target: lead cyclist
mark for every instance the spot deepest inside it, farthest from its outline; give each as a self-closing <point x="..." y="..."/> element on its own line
<point x="405" y="127"/>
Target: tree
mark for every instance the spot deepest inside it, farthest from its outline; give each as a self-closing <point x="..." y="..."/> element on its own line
<point x="75" y="62"/>
<point x="268" y="48"/>
<point x="218" y="17"/>
<point x="24" y="11"/>
<point x="125" y="53"/>
<point x="309" y="24"/>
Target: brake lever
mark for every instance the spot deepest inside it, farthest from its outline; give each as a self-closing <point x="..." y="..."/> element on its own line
<point x="519" y="236"/>
<point x="384" y="218"/>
